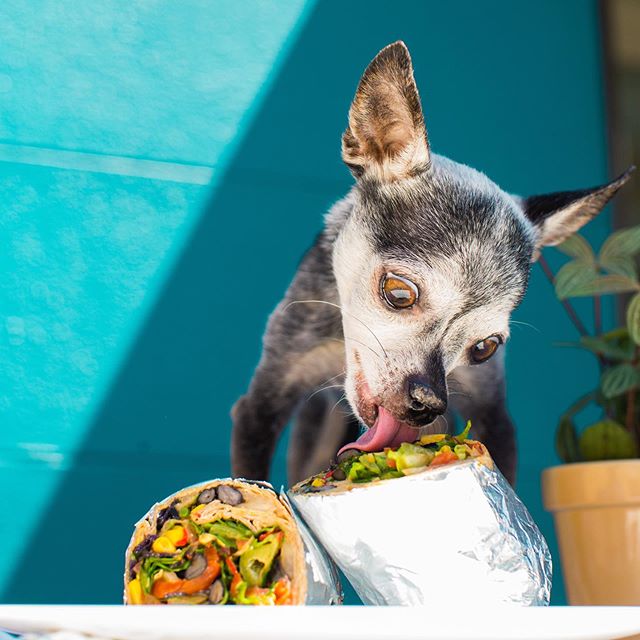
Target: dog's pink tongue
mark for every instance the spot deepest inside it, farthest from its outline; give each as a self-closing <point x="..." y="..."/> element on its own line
<point x="387" y="431"/>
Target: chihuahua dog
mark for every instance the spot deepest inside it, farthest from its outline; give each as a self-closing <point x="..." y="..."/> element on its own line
<point x="403" y="301"/>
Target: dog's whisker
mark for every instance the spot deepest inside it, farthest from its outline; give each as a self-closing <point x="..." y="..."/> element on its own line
<point x="337" y="306"/>
<point x="341" y="373"/>
<point x="364" y="344"/>
<point x="330" y="386"/>
<point x="446" y="422"/>
<point x="525" y="324"/>
<point x="340" y="399"/>
<point x="346" y="414"/>
<point x="456" y="384"/>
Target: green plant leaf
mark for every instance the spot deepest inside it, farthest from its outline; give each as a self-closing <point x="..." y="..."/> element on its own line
<point x="633" y="318"/>
<point x="574" y="277"/>
<point x="577" y="247"/>
<point x="619" y="333"/>
<point x="621" y="265"/>
<point x="567" y="441"/>
<point x="603" y="285"/>
<point x="607" y="348"/>
<point x="582" y="402"/>
<point x="625" y="242"/>
<point x="618" y="379"/>
<point x="607" y="440"/>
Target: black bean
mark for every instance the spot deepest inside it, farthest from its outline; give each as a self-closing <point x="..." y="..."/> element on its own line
<point x="229" y="495"/>
<point x="196" y="568"/>
<point x="216" y="592"/>
<point x="349" y="453"/>
<point x="207" y="496"/>
<point x="339" y="474"/>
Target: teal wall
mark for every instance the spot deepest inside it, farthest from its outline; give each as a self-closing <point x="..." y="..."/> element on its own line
<point x="152" y="153"/>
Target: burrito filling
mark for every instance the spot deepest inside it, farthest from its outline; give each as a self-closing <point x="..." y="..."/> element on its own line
<point x="219" y="562"/>
<point x="429" y="451"/>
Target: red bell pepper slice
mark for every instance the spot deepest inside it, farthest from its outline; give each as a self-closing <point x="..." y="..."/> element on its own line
<point x="163" y="588"/>
<point x="444" y="458"/>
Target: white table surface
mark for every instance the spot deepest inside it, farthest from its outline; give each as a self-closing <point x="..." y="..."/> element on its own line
<point x="461" y="621"/>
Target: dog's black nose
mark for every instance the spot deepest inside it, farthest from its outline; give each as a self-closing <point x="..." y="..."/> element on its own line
<point x="424" y="405"/>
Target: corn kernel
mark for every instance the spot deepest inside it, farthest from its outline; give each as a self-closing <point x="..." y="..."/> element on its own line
<point x="205" y="538"/>
<point x="175" y="535"/>
<point x="445" y="449"/>
<point x="163" y="545"/>
<point x="431" y="438"/>
<point x="135" y="592"/>
<point x="317" y="482"/>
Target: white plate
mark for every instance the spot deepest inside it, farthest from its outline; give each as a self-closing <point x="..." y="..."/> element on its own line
<point x="459" y="622"/>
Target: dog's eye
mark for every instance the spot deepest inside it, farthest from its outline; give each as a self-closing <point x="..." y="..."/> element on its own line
<point x="398" y="292"/>
<point x="483" y="350"/>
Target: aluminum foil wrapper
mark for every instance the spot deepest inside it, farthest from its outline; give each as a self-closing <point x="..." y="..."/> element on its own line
<point x="451" y="534"/>
<point x="323" y="582"/>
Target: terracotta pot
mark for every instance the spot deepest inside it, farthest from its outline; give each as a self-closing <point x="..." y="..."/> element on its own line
<point x="596" y="509"/>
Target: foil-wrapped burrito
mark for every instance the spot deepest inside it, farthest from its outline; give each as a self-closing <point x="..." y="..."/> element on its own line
<point x="428" y="523"/>
<point x="226" y="542"/>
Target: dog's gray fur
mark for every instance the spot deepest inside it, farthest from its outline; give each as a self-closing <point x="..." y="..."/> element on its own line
<point x="464" y="242"/>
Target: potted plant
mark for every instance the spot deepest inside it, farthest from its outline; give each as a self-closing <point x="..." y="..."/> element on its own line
<point x="595" y="495"/>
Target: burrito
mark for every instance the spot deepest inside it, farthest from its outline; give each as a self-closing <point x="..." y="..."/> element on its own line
<point x="220" y="542"/>
<point x="430" y="452"/>
<point x="407" y="524"/>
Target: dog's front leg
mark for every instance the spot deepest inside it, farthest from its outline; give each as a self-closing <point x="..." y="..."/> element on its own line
<point x="302" y="350"/>
<point x="478" y="394"/>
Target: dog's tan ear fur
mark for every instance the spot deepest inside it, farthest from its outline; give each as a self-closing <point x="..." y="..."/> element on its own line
<point x="386" y="137"/>
<point x="559" y="215"/>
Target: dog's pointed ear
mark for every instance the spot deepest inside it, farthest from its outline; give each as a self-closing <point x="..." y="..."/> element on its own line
<point x="556" y="216"/>
<point x="386" y="137"/>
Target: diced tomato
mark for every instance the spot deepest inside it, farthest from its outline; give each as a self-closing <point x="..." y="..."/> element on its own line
<point x="282" y="589"/>
<point x="241" y="545"/>
<point x="444" y="458"/>
<point x="163" y="588"/>
<point x="391" y="463"/>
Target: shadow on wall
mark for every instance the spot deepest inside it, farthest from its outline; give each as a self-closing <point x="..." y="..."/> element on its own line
<point x="165" y="423"/>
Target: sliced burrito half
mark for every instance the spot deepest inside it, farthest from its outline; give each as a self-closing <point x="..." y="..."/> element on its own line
<point x="429" y="452"/>
<point x="220" y="542"/>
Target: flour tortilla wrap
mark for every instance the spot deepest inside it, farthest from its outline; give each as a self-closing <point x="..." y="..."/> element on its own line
<point x="258" y="509"/>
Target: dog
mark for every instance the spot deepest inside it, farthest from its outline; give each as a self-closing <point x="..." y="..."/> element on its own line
<point x="403" y="301"/>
